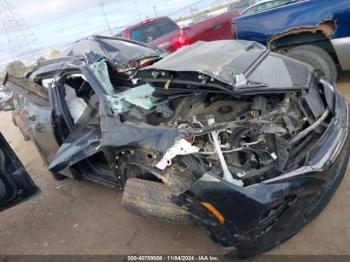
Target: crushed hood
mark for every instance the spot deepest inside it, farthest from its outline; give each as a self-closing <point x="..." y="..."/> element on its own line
<point x="222" y="61"/>
<point x="115" y="50"/>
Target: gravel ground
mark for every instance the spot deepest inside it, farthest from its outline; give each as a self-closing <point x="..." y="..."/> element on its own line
<point x="72" y="217"/>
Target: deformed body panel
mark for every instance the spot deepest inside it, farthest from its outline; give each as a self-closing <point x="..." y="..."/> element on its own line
<point x="116" y="51"/>
<point x="260" y="216"/>
<point x="131" y="134"/>
<point x="239" y="66"/>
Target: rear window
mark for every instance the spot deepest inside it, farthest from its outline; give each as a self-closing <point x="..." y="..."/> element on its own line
<point x="153" y="30"/>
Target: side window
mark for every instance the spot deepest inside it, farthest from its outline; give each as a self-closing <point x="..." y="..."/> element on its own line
<point x="166" y="26"/>
<point x="252" y="10"/>
<point x="150" y="31"/>
<point x="138" y="35"/>
<point x="282" y="2"/>
<point x="271" y="5"/>
<point x="146" y="33"/>
<point x="264" y="6"/>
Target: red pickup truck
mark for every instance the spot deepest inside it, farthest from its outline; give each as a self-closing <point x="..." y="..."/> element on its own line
<point x="166" y="34"/>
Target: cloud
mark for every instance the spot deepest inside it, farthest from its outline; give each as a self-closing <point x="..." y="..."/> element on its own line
<point x="55" y="22"/>
<point x="32" y="9"/>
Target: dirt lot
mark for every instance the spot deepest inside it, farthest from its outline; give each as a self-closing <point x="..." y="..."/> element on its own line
<point x="72" y="217"/>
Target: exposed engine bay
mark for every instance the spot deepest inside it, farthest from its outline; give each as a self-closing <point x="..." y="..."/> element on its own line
<point x="245" y="141"/>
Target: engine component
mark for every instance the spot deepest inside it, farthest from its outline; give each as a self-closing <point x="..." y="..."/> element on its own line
<point x="226" y="172"/>
<point x="182" y="147"/>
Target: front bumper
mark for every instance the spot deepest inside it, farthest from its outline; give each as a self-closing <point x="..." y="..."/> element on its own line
<point x="260" y="216"/>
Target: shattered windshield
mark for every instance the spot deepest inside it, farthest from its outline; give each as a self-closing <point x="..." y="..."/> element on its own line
<point x="121" y="102"/>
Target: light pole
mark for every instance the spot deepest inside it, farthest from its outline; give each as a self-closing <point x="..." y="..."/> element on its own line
<point x="101" y="4"/>
<point x="155" y="10"/>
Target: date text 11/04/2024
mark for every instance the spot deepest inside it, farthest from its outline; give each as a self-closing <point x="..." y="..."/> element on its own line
<point x="173" y="258"/>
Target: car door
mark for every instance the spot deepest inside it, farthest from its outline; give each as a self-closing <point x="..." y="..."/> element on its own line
<point x="40" y="117"/>
<point x="37" y="113"/>
<point x="19" y="115"/>
<point x="16" y="185"/>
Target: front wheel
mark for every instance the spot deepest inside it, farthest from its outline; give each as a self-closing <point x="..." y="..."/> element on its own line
<point x="318" y="58"/>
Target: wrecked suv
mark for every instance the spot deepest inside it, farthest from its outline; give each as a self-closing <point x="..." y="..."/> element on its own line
<point x="247" y="143"/>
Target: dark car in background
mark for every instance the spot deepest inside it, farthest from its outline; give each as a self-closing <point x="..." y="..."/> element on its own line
<point x="247" y="143"/>
<point x="16" y="185"/>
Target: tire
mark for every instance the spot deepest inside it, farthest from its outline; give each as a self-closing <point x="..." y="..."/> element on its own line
<point x="58" y="177"/>
<point x="318" y="58"/>
<point x="152" y="199"/>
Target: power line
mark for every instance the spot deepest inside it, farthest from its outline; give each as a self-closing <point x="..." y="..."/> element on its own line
<point x="184" y="8"/>
<point x="60" y="15"/>
<point x="19" y="37"/>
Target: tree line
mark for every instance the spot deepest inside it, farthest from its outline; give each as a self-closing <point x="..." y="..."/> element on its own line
<point x="19" y="68"/>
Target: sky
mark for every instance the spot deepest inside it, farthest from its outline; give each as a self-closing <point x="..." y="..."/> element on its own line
<point x="54" y="23"/>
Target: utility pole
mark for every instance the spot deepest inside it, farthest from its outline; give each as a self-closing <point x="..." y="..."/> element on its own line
<point x="155" y="10"/>
<point x="101" y="4"/>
